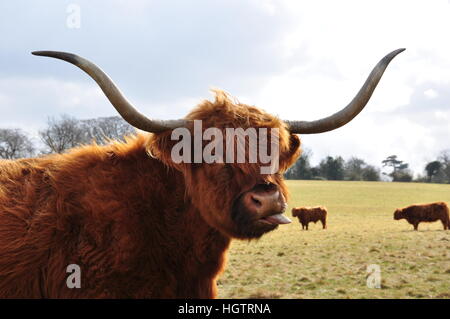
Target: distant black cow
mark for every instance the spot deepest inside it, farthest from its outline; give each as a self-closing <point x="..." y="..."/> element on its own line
<point x="417" y="213"/>
<point x="310" y="214"/>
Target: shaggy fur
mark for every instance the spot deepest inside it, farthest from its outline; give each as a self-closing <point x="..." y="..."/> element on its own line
<point x="139" y="226"/>
<point x="418" y="213"/>
<point x="310" y="214"/>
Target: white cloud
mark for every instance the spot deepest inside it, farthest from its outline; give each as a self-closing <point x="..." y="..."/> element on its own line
<point x="299" y="59"/>
<point x="430" y="93"/>
<point x="29" y="101"/>
<point x="354" y="35"/>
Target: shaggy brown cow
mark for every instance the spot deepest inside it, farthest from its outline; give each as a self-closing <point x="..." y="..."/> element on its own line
<point x="306" y="215"/>
<point x="136" y="222"/>
<point x="418" y="213"/>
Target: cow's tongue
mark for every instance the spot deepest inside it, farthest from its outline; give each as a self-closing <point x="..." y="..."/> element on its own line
<point x="278" y="219"/>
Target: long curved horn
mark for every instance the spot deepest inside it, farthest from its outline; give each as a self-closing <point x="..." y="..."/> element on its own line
<point x="351" y="110"/>
<point x="112" y="92"/>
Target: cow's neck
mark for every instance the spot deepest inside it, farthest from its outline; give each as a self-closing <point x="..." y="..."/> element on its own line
<point x="189" y="242"/>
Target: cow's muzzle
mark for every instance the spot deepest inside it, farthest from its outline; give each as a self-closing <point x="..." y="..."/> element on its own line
<point x="267" y="203"/>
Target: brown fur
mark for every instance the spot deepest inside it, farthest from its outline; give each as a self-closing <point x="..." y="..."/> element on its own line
<point x="418" y="213"/>
<point x="310" y="214"/>
<point x="138" y="226"/>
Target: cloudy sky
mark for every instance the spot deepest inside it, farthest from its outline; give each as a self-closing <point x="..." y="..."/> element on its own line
<point x="299" y="60"/>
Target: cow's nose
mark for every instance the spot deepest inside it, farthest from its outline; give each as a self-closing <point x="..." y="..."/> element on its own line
<point x="264" y="203"/>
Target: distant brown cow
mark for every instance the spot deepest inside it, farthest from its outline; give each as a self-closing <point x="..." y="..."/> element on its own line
<point x="310" y="214"/>
<point x="417" y="213"/>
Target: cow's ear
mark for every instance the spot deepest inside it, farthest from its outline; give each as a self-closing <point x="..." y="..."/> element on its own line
<point x="287" y="159"/>
<point x="160" y="147"/>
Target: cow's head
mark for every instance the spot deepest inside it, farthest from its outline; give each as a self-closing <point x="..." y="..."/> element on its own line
<point x="296" y="212"/>
<point x="234" y="196"/>
<point x="398" y="214"/>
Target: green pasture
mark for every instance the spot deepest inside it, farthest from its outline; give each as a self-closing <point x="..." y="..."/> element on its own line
<point x="332" y="263"/>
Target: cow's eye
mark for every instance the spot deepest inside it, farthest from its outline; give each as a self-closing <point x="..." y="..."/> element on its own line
<point x="265" y="187"/>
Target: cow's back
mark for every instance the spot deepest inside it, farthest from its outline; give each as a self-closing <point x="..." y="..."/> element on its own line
<point x="26" y="226"/>
<point x="105" y="209"/>
<point x="427" y="212"/>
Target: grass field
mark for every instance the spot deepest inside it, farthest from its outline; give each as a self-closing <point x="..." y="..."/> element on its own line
<point x="332" y="263"/>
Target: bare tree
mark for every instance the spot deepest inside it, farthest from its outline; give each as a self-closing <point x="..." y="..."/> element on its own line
<point x="370" y="173"/>
<point x="354" y="169"/>
<point x="444" y="158"/>
<point x="15" y="144"/>
<point x="103" y="129"/>
<point x="61" y="134"/>
<point x="67" y="132"/>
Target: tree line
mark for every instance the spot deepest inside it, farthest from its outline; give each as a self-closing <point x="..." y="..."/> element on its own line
<point x="61" y="134"/>
<point x="356" y="169"/>
<point x="65" y="132"/>
<point x="333" y="168"/>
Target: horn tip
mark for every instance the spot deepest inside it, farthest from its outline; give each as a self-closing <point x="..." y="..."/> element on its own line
<point x="392" y="55"/>
<point x="45" y="53"/>
<point x="395" y="52"/>
<point x="66" y="56"/>
<point x="36" y="52"/>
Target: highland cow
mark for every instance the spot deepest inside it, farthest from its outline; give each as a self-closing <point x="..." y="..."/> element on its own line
<point x="307" y="215"/>
<point x="137" y="223"/>
<point x="418" y="213"/>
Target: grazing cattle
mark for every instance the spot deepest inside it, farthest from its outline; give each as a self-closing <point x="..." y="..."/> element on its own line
<point x="137" y="222"/>
<point x="306" y="215"/>
<point x="418" y="213"/>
